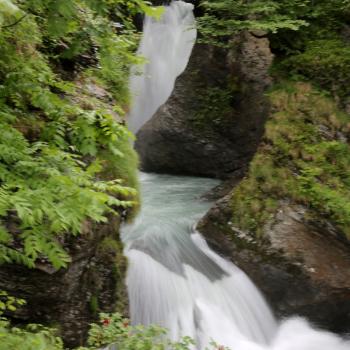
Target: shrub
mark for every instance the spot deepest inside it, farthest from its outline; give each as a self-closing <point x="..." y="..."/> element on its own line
<point x="325" y="62"/>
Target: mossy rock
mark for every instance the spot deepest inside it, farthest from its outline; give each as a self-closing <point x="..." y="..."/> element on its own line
<point x="304" y="158"/>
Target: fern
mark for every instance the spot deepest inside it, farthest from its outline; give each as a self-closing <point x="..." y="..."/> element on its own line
<point x="54" y="151"/>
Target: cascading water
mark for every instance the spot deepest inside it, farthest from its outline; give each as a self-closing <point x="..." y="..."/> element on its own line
<point x="166" y="45"/>
<point x="174" y="279"/>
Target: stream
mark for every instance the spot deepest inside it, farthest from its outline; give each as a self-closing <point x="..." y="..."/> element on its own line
<point x="174" y="279"/>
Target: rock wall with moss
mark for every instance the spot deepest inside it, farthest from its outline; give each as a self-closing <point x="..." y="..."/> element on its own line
<point x="304" y="158"/>
<point x="212" y="123"/>
<point x="287" y="221"/>
<point x="285" y="224"/>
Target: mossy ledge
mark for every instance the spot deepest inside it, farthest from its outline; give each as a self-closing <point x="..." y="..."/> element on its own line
<point x="304" y="158"/>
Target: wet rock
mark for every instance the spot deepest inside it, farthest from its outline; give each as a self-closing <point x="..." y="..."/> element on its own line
<point x="213" y="121"/>
<point x="71" y="298"/>
<point x="301" y="268"/>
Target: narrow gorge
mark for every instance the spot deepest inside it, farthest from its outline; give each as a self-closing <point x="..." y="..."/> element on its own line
<point x="174" y="175"/>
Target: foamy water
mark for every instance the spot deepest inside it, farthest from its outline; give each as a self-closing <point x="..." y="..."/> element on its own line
<point x="176" y="281"/>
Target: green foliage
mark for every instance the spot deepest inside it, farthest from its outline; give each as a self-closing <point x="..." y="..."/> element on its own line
<point x="309" y="38"/>
<point x="304" y="159"/>
<point x="292" y="22"/>
<point x="93" y="304"/>
<point x="55" y="152"/>
<point x="214" y="105"/>
<point x="33" y="337"/>
<point x="9" y="303"/>
<point x="111" y="330"/>
<point x="320" y="52"/>
<point x="326" y="62"/>
<point x="8" y="11"/>
<point x="223" y="18"/>
<point x="51" y="192"/>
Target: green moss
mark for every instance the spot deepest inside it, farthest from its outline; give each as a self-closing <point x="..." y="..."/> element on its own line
<point x="93" y="304"/>
<point x="303" y="159"/>
<point x="123" y="166"/>
<point x="111" y="249"/>
<point x="213" y="106"/>
<point x="124" y="163"/>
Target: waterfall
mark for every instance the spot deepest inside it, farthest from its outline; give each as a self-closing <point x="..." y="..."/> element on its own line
<point x="166" y="45"/>
<point x="174" y="279"/>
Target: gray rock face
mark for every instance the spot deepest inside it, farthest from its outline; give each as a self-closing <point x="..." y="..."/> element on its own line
<point x="71" y="298"/>
<point x="212" y="123"/>
<point x="299" y="266"/>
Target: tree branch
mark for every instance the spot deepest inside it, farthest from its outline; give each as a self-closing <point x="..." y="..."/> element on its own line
<point x="15" y="23"/>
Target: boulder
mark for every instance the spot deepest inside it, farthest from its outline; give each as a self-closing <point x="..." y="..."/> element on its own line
<point x="213" y="121"/>
<point x="301" y="266"/>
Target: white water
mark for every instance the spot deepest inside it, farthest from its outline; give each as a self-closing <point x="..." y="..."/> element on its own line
<point x="172" y="274"/>
<point x="174" y="279"/>
<point x="167" y="46"/>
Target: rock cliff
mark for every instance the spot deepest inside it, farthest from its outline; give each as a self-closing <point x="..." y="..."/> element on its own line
<point x="297" y="265"/>
<point x="285" y="224"/>
<point x="212" y="123"/>
<point x="71" y="298"/>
